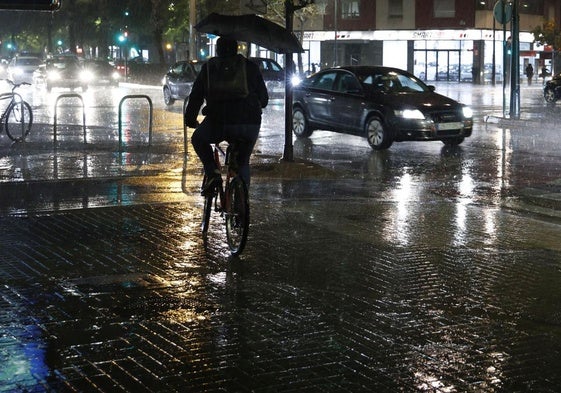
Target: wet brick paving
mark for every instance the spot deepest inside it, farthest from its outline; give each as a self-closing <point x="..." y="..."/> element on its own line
<point x="107" y="285"/>
<point x="128" y="299"/>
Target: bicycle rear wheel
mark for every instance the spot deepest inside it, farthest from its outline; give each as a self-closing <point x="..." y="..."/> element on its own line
<point x="18" y="121"/>
<point x="207" y="208"/>
<point x="237" y="215"/>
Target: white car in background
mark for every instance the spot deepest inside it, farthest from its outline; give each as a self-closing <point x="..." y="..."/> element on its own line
<point x="21" y="68"/>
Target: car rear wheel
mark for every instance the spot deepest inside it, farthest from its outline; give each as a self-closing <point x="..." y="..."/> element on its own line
<point x="549" y="94"/>
<point x="378" y="136"/>
<point x="300" y="126"/>
<point x="168" y="100"/>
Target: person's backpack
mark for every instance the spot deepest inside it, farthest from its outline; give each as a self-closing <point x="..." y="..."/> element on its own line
<point x="227" y="78"/>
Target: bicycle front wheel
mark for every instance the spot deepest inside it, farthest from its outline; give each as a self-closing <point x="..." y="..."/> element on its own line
<point x="237" y="215"/>
<point x="18" y="121"/>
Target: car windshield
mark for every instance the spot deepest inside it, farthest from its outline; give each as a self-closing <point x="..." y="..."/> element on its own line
<point x="29" y="61"/>
<point x="62" y="64"/>
<point x="392" y="82"/>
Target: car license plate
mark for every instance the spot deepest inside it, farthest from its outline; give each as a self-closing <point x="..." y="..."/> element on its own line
<point x="449" y="126"/>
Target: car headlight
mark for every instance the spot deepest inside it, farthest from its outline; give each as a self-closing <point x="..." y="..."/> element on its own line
<point x="86" y="76"/>
<point x="413" y="114"/>
<point x="53" y="75"/>
<point x="295" y="80"/>
<point x="115" y="75"/>
<point x="467" y="111"/>
<point x="18" y="71"/>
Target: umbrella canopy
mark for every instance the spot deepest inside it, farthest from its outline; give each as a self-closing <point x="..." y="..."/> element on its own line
<point x="251" y="28"/>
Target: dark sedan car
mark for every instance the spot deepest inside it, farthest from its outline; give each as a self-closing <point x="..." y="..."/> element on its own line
<point x="61" y="71"/>
<point x="273" y="75"/>
<point x="552" y="89"/>
<point x="101" y="72"/>
<point x="383" y="104"/>
<point x="179" y="79"/>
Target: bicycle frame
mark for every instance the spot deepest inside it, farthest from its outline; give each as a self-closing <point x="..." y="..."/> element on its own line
<point x="230" y="173"/>
<point x="17" y="111"/>
<point x="230" y="200"/>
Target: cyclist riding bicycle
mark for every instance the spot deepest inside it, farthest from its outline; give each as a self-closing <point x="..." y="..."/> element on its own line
<point x="235" y="94"/>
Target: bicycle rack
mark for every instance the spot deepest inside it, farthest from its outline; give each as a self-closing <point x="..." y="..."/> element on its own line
<point x="70" y="95"/>
<point x="121" y="118"/>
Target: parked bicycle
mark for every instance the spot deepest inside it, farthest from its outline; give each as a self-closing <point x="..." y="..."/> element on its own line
<point x="231" y="200"/>
<point x="17" y="118"/>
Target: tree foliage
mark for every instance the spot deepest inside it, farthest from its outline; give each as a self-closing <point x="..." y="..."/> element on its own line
<point x="95" y="24"/>
<point x="548" y="34"/>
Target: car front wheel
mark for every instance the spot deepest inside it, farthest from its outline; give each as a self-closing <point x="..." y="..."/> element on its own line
<point x="453" y="141"/>
<point x="549" y="94"/>
<point x="300" y="126"/>
<point x="168" y="100"/>
<point x="378" y="136"/>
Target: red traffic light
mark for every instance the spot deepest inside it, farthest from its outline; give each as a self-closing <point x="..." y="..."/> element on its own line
<point x="31" y="5"/>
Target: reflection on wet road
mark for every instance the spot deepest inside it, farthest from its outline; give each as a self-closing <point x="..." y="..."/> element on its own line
<point x="364" y="271"/>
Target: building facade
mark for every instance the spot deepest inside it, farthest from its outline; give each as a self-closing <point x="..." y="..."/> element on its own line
<point x="452" y="40"/>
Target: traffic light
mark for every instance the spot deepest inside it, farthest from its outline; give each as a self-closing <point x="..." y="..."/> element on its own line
<point x="31" y="5"/>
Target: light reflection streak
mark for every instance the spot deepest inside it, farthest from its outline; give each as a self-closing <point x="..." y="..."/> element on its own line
<point x="503" y="142"/>
<point x="466" y="188"/>
<point x="402" y="195"/>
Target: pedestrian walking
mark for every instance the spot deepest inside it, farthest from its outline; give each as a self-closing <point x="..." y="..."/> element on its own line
<point x="529" y="73"/>
<point x="544" y="73"/>
<point x="235" y="94"/>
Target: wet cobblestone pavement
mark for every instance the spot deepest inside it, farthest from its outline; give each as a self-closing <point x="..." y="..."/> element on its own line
<point x="345" y="285"/>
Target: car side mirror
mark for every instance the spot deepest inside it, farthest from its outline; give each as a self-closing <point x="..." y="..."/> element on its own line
<point x="432" y="88"/>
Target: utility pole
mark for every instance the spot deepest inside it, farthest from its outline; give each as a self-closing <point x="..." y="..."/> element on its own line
<point x="192" y="23"/>
<point x="515" y="64"/>
<point x="289" y="8"/>
<point x="288" y="154"/>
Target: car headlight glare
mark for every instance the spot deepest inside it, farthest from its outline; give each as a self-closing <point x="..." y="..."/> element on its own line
<point x="468" y="112"/>
<point x="413" y="114"/>
<point x="295" y="80"/>
<point x="86" y="76"/>
<point x="53" y="75"/>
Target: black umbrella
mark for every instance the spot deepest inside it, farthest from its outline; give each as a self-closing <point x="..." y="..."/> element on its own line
<point x="251" y="28"/>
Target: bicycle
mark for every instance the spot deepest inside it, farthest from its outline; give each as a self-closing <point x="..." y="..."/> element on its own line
<point x="18" y="115"/>
<point x="231" y="200"/>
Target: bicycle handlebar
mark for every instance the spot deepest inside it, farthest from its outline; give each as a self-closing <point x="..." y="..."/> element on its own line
<point x="16" y="85"/>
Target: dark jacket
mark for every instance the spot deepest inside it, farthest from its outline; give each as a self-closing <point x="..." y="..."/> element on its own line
<point x="236" y="111"/>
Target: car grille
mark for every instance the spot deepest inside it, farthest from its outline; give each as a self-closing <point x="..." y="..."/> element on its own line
<point x="445" y="117"/>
